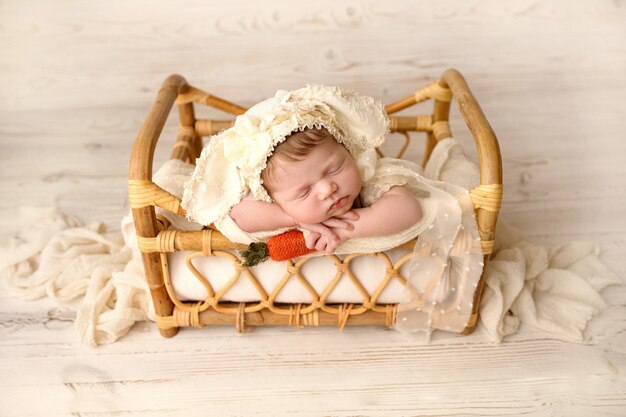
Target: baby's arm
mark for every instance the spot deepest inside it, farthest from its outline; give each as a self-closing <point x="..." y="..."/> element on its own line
<point x="323" y="236"/>
<point x="395" y="211"/>
<point x="257" y="216"/>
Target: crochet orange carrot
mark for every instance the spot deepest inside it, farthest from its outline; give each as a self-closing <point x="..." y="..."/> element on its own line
<point x="281" y="247"/>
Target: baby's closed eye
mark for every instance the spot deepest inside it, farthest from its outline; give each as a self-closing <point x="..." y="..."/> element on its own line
<point x="304" y="193"/>
<point x="336" y="168"/>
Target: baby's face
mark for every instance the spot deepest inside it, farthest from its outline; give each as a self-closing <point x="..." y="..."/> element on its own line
<point x="322" y="185"/>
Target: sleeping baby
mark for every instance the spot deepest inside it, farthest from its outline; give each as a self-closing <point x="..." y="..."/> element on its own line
<point x="315" y="184"/>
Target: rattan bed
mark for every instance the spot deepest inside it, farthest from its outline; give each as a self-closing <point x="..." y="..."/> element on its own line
<point x="156" y="238"/>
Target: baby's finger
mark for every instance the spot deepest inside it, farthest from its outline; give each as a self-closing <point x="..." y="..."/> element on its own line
<point x="349" y="215"/>
<point x="330" y="244"/>
<point x="324" y="230"/>
<point x="310" y="239"/>
<point x="334" y="222"/>
<point x="315" y="227"/>
<point x="321" y="244"/>
<point x="330" y="247"/>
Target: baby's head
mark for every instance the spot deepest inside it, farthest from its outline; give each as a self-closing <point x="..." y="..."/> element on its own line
<point x="312" y="177"/>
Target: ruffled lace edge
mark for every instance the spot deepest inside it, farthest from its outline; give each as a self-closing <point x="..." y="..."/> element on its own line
<point x="189" y="201"/>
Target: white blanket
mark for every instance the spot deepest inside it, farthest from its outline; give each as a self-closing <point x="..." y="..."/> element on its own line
<point x="55" y="255"/>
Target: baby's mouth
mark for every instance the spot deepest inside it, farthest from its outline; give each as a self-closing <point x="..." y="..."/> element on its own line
<point x="340" y="203"/>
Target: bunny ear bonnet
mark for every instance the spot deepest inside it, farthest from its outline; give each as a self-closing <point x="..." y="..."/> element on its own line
<point x="230" y="165"/>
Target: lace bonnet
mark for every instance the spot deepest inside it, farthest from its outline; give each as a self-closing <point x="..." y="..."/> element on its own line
<point x="230" y="165"/>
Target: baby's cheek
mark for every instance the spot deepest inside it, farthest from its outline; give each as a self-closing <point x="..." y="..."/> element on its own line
<point x="309" y="218"/>
<point x="308" y="214"/>
<point x="294" y="210"/>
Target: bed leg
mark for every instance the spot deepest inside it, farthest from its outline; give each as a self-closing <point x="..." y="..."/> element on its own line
<point x="169" y="332"/>
<point x="146" y="225"/>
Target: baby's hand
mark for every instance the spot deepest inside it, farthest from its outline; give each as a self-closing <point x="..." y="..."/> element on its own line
<point x="324" y="242"/>
<point x="343" y="221"/>
<point x="320" y="237"/>
<point x="329" y="234"/>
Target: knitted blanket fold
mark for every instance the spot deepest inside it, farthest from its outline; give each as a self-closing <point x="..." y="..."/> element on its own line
<point x="54" y="255"/>
<point x="557" y="289"/>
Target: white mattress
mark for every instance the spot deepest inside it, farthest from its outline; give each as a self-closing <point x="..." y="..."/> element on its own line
<point x="318" y="271"/>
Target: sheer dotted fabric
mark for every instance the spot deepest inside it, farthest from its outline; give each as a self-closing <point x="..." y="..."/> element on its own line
<point x="446" y="268"/>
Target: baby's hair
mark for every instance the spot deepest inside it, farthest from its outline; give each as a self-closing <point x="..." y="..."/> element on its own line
<point x="294" y="148"/>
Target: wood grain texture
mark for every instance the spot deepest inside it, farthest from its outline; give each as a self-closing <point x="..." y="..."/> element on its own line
<point x="77" y="79"/>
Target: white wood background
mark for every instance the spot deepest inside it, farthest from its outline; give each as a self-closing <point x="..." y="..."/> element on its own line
<point x="78" y="77"/>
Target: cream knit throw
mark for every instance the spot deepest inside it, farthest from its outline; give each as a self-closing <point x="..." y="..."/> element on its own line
<point x="55" y="256"/>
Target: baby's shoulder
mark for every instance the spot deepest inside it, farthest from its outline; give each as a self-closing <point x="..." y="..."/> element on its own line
<point x="389" y="173"/>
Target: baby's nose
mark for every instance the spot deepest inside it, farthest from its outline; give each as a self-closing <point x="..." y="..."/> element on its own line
<point x="327" y="189"/>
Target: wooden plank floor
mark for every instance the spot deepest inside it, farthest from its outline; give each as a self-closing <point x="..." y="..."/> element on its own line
<point x="77" y="78"/>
